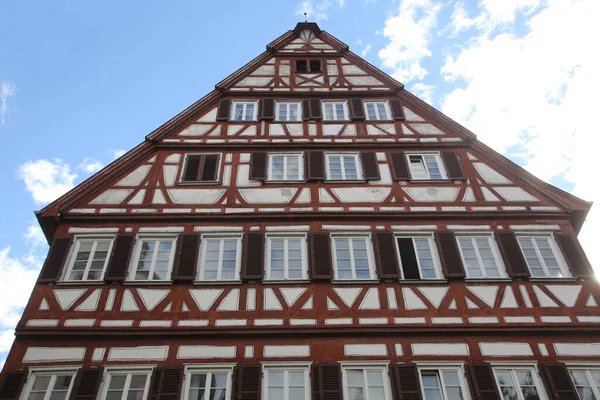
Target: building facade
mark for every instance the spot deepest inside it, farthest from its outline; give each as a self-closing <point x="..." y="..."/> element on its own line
<point x="310" y="230"/>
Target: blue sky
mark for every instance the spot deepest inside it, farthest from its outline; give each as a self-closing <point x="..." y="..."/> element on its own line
<point x="82" y="80"/>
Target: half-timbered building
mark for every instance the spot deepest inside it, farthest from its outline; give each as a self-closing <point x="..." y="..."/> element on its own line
<point x="310" y="230"/>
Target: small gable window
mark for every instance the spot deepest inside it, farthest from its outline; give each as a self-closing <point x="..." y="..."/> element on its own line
<point x="201" y="168"/>
<point x="245" y="110"/>
<point x="288" y="111"/>
<point x="308" y="66"/>
<point x="426" y="166"/>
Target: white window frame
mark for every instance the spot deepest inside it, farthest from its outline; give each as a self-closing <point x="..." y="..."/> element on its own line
<point x="129" y="370"/>
<point x="586" y="368"/>
<point x="45" y="371"/>
<point x="245" y="105"/>
<point x="335" y="116"/>
<point x="495" y="252"/>
<point x="137" y="250"/>
<point x="300" y="157"/>
<point x="303" y="249"/>
<point x="562" y="264"/>
<point x="73" y="255"/>
<point x="298" y="366"/>
<point x="371" y="258"/>
<point x="204" y="369"/>
<point x="357" y="162"/>
<point x="386" y="105"/>
<point x="372" y="365"/>
<point x="184" y="166"/>
<point x="438" y="159"/>
<point x="458" y="367"/>
<point x="204" y="240"/>
<point x="288" y="104"/>
<point x="432" y="248"/>
<point x="541" y="390"/>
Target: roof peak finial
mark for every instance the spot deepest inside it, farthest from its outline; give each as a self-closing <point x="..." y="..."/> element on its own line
<point x="305" y="17"/>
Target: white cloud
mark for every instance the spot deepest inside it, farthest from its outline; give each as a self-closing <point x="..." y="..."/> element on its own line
<point x="46" y="180"/>
<point x="116" y="153"/>
<point x="7" y="89"/>
<point x="423" y="91"/>
<point x="315" y="10"/>
<point x="90" y="165"/>
<point x="358" y="41"/>
<point x="365" y="50"/>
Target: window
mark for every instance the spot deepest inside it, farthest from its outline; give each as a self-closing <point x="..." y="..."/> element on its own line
<point x="587" y="383"/>
<point x="286" y="257"/>
<point x="426" y="166"/>
<point x="286" y="167"/>
<point x="418" y="257"/>
<point x="88" y="259"/>
<point x="208" y="384"/>
<point x="220" y="258"/>
<point x="283" y="383"/>
<point x="308" y="66"/>
<point x="343" y="167"/>
<point x="480" y="256"/>
<point x="125" y="385"/>
<point x="50" y="385"/>
<point x="517" y="383"/>
<point x="366" y="383"/>
<point x="377" y="110"/>
<point x="442" y="383"/>
<point x="244" y="110"/>
<point x="288" y="111"/>
<point x="542" y="257"/>
<point x="153" y="259"/>
<point x="335" y="110"/>
<point x="201" y="168"/>
<point x="353" y="257"/>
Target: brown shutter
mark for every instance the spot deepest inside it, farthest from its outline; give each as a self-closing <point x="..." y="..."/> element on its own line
<point x="408" y="257"/>
<point x="320" y="256"/>
<point x="449" y="254"/>
<point x="166" y="383"/>
<point x="406" y="384"/>
<point x="155" y="383"/>
<point x="574" y="255"/>
<point x="305" y="110"/>
<point x="482" y="382"/>
<point x="12" y="384"/>
<point x="369" y="163"/>
<point x="187" y="257"/>
<point x="86" y="384"/>
<point x="385" y="255"/>
<point x="119" y="259"/>
<point x="267" y="109"/>
<point x="223" y="112"/>
<point x="209" y="168"/>
<point x="192" y="166"/>
<point x="258" y="165"/>
<point x="558" y="381"/>
<point x="247" y="382"/>
<point x="453" y="166"/>
<point x="55" y="259"/>
<point x="400" y="166"/>
<point x="315" y="168"/>
<point x="326" y="382"/>
<point x="516" y="267"/>
<point x="357" y="111"/>
<point x="253" y="256"/>
<point x="315" y="109"/>
<point x="397" y="111"/>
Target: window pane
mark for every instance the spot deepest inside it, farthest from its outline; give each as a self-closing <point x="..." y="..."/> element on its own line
<point x="239" y="112"/>
<point x="117" y="382"/>
<point x="432" y="167"/>
<point x="249" y="112"/>
<point x="417" y="168"/>
<point x="41" y="382"/>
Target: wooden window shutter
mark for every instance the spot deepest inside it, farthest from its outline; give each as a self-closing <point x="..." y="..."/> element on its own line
<point x="315" y="109"/>
<point x="400" y="166"/>
<point x="320" y="256"/>
<point x="55" y="260"/>
<point x="155" y="383"/>
<point x="453" y="166"/>
<point x="12" y="384"/>
<point x="119" y="259"/>
<point x="385" y="255"/>
<point x="192" y="167"/>
<point x="86" y="384"/>
<point x="370" y="168"/>
<point x="166" y="383"/>
<point x="574" y="255"/>
<point x="482" y="382"/>
<point x="305" y="110"/>
<point x="449" y="254"/>
<point x="258" y="165"/>
<point x="223" y="112"/>
<point x="253" y="256"/>
<point x="315" y="165"/>
<point x="247" y="382"/>
<point x="408" y="257"/>
<point x="406" y="384"/>
<point x="516" y="267"/>
<point x="326" y="382"/>
<point x="397" y="111"/>
<point x="186" y="259"/>
<point x="267" y="109"/>
<point x="558" y="381"/>
<point x="357" y="111"/>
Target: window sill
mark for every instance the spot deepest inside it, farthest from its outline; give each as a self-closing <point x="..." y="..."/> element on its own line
<point x="267" y="181"/>
<point x="233" y="121"/>
<point x="284" y="281"/>
<point x="148" y="282"/>
<point x="286" y="122"/>
<point x="550" y="279"/>
<point x="430" y="181"/>
<point x="75" y="283"/>
<point x="423" y="281"/>
<point x="375" y="121"/>
<point x="353" y="281"/>
<point x="345" y="181"/>
<point x="197" y="183"/>
<point x="204" y="283"/>
<point x="335" y="121"/>
<point x="488" y="280"/>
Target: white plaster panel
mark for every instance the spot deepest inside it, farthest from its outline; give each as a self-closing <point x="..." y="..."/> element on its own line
<point x="286" y="351"/>
<point x="544" y="299"/>
<point x="414" y="227"/>
<point x="434" y="294"/>
<point x="488" y="195"/>
<point x="138" y="353"/>
<point x="170" y="174"/>
<point x="291" y="295"/>
<point x="155" y="324"/>
<point x="128" y="303"/>
<point x="231" y="301"/>
<point x="308" y="305"/>
<point x="486" y="293"/>
<point x="515" y="194"/>
<point x="525" y="295"/>
<point x="248" y="351"/>
<point x="193" y="322"/>
<point x="151" y="297"/>
<point x="110" y="323"/>
<point x="391" y="298"/>
<point x="195" y="196"/>
<point x="205" y="298"/>
<point x="372" y="321"/>
<point x="509" y="300"/>
<point x="82" y="211"/>
<point x="80" y="322"/>
<point x="110" y="300"/>
<point x="499" y="349"/>
<point x="304" y="196"/>
<point x="411" y="116"/>
<point x="231" y="322"/>
<point x="267" y="322"/>
<point x="543" y="349"/>
<point x="270" y="300"/>
<point x="447" y="320"/>
<point x="591" y="302"/>
<point x="490" y="175"/>
<point x="534" y="227"/>
<point x="346" y="227"/>
<point x="254" y="81"/>
<point x="483" y="320"/>
<point x="555" y="319"/>
<point x="441" y="349"/>
<point x="98" y="354"/>
<point x="432" y="194"/>
<point x="325" y="197"/>
<point x="519" y="320"/>
<point x="174" y="158"/>
<point x="567" y="294"/>
<point x="196" y="130"/>
<point x="331" y="305"/>
<point x="158" y="197"/>
<point x="138" y="198"/>
<point x="352" y="70"/>
<point x="218" y="229"/>
<point x="365" y="350"/>
<point x="268" y="195"/>
<point x="412" y="301"/>
<point x="45" y="307"/>
<point x="67" y="297"/>
<point x="426" y="129"/>
<point x="53" y="354"/>
<point x="91" y="303"/>
<point x="303" y="321"/>
<point x="363" y="81"/>
<point x="468" y="227"/>
<point x="112" y="196"/>
<point x="348" y="295"/>
<point x="135" y="177"/>
<point x="407" y="320"/>
<point x="361" y="194"/>
<point x="42" y="322"/>
<point x="588" y="319"/>
<point x="338" y="321"/>
<point x="371" y="300"/>
<point x="577" y="349"/>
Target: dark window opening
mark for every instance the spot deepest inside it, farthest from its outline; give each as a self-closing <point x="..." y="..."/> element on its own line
<point x="301" y="66"/>
<point x="315" y="66"/>
<point x="308" y="66"/>
<point x="201" y="168"/>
